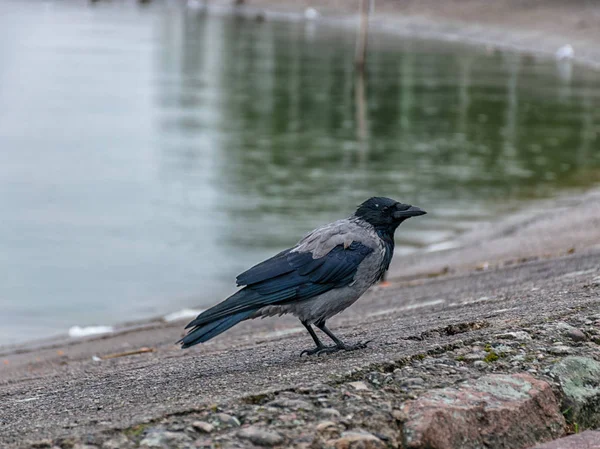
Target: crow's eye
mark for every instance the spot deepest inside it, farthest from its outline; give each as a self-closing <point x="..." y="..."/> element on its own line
<point x="385" y="208"/>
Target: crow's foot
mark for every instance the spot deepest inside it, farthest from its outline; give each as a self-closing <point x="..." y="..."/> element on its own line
<point x="335" y="348"/>
<point x="318" y="350"/>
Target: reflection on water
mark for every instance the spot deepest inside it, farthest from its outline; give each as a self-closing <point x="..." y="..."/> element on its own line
<point x="149" y="155"/>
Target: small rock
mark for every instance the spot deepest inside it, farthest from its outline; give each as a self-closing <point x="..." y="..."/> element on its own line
<point x="329" y="412"/>
<point x="473" y="356"/>
<point x="357" y="440"/>
<point x="360" y="386"/>
<point x="153" y="440"/>
<point x="399" y="416"/>
<point x="228" y="419"/>
<point x="377" y="378"/>
<point x="161" y="438"/>
<point x="571" y="332"/>
<point x="560" y="350"/>
<point x="503" y="349"/>
<point x="284" y="418"/>
<point x="84" y="446"/>
<point x="117" y="442"/>
<point x="576" y="335"/>
<point x="579" y="378"/>
<point x="480" y="364"/>
<point x="325" y="425"/>
<point x="66" y="442"/>
<point x="260" y="437"/>
<point x="517" y="335"/>
<point x="584" y="440"/>
<point x="328" y="430"/>
<point x="510" y="410"/>
<point x="413" y="381"/>
<point x="203" y="426"/>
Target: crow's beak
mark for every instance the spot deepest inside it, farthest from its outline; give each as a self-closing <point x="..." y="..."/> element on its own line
<point x="411" y="211"/>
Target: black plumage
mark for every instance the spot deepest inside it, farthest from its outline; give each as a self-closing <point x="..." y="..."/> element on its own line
<point x="288" y="276"/>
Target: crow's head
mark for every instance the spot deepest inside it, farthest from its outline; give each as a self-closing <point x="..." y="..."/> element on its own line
<point x="385" y="213"/>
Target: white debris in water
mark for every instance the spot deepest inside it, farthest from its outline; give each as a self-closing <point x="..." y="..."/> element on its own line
<point x="95" y="358"/>
<point x="78" y="331"/>
<point x="311" y="14"/>
<point x="182" y="314"/>
<point x="565" y="52"/>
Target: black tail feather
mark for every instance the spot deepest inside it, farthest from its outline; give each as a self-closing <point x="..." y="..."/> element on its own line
<point x="207" y="331"/>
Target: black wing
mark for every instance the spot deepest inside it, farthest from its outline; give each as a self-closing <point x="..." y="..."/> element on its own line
<point x="287" y="277"/>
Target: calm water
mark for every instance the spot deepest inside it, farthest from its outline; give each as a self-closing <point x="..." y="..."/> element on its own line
<point x="148" y="155"/>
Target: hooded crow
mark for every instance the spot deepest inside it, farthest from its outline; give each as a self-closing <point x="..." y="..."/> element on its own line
<point x="323" y="274"/>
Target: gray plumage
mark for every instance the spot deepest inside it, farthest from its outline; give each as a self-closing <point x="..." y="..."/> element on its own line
<point x="323" y="274"/>
<point x="320" y="242"/>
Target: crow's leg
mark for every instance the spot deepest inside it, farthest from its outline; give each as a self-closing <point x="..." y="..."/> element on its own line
<point x="320" y="346"/>
<point x="339" y="344"/>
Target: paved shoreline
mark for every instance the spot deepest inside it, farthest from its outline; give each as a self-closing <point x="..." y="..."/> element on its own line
<point x="70" y="392"/>
<point x="442" y="321"/>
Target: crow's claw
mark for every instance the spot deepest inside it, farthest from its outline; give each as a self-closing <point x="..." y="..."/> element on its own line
<point x="318" y="350"/>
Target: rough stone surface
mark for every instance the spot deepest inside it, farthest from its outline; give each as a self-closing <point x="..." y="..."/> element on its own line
<point x="360" y="386"/>
<point x="495" y="411"/>
<point x="158" y="438"/>
<point x="576" y="335"/>
<point x="260" y="437"/>
<point x="118" y="442"/>
<point x="561" y="350"/>
<point x="328" y="430"/>
<point x="203" y="426"/>
<point x="329" y="412"/>
<point x="584" y="440"/>
<point x="227" y="419"/>
<point x="572" y="332"/>
<point x="579" y="378"/>
<point x="90" y="402"/>
<point x="357" y="440"/>
<point x="293" y="404"/>
<point x="517" y="335"/>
